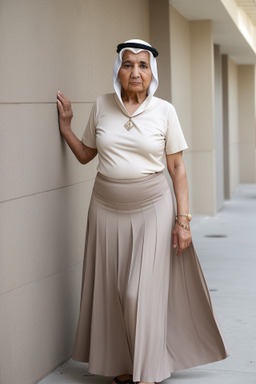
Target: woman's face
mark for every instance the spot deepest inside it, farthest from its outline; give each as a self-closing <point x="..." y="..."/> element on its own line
<point x="135" y="73"/>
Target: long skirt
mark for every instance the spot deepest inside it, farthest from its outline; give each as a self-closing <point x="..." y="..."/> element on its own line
<point x="144" y="310"/>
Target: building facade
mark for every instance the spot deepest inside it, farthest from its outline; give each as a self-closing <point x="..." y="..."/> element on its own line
<point x="207" y="70"/>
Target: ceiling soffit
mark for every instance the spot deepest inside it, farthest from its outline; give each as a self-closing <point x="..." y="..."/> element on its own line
<point x="249" y="7"/>
<point x="225" y="30"/>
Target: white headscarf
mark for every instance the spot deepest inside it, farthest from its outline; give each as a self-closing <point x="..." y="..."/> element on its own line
<point x="118" y="62"/>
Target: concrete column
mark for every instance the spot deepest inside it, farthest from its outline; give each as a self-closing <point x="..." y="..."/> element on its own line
<point x="218" y="114"/>
<point x="225" y="126"/>
<point x="160" y="39"/>
<point x="181" y="85"/>
<point x="202" y="116"/>
<point x="246" y="109"/>
<point x="233" y="93"/>
<point x="230" y="126"/>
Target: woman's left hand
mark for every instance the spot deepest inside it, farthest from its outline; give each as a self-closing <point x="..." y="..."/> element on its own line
<point x="181" y="238"/>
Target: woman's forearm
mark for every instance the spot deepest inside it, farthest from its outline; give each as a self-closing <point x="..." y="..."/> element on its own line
<point x="177" y="171"/>
<point x="180" y="186"/>
<point x="83" y="153"/>
<point x="181" y="232"/>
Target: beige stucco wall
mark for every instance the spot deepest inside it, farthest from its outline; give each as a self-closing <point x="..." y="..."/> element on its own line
<point x="215" y="101"/>
<point x="233" y="107"/>
<point x="218" y="124"/>
<point x="48" y="46"/>
<point x="202" y="97"/>
<point x="160" y="38"/>
<point x="225" y="80"/>
<point x="192" y="89"/>
<point x="239" y="124"/>
<point x="246" y="84"/>
<point x="181" y="83"/>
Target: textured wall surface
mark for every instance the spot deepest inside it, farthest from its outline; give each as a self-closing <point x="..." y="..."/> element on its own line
<point x="48" y="46"/>
<point x="247" y="116"/>
<point x="192" y="74"/>
<point x="181" y="85"/>
<point x="233" y="115"/>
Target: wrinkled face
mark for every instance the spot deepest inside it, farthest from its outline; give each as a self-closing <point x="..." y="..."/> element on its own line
<point x="135" y="73"/>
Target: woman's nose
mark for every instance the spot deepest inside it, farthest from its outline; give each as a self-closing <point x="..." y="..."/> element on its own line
<point x="135" y="71"/>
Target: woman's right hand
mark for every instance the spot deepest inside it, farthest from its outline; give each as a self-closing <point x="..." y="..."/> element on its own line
<point x="83" y="153"/>
<point x="65" y="113"/>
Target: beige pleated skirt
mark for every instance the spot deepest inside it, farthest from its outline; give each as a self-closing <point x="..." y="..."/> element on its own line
<point x="144" y="310"/>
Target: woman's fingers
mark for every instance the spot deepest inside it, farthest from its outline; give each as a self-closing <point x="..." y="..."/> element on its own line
<point x="61" y="96"/>
<point x="181" y="239"/>
<point x="174" y="240"/>
<point x="65" y="113"/>
<point x="64" y="101"/>
<point x="64" y="106"/>
<point x="60" y="107"/>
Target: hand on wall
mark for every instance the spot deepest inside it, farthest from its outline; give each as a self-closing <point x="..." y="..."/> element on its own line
<point x="65" y="113"/>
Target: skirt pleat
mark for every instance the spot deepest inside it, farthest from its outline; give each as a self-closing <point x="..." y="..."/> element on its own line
<point x="144" y="310"/>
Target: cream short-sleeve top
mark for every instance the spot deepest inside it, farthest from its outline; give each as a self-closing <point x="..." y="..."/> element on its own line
<point x="138" y="152"/>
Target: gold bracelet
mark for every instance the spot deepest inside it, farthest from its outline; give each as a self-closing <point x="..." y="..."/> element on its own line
<point x="188" y="215"/>
<point x="183" y="225"/>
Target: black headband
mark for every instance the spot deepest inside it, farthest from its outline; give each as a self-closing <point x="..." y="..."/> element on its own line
<point x="137" y="45"/>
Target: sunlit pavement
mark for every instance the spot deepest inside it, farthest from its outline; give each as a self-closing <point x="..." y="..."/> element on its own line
<point x="226" y="246"/>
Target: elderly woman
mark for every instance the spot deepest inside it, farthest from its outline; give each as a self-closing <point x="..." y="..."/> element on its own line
<point x="145" y="308"/>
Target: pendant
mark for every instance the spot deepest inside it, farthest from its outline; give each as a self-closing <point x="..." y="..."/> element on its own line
<point x="129" y="125"/>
